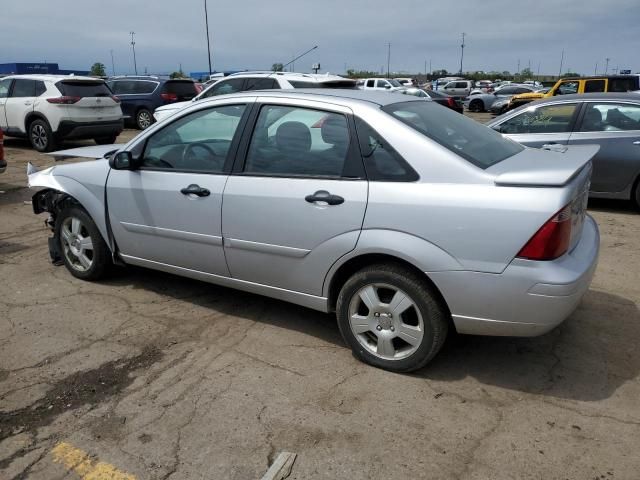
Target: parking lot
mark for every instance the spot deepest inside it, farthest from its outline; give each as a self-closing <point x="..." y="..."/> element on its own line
<point x="152" y="376"/>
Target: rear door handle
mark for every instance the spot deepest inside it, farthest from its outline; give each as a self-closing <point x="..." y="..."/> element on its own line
<point x="324" y="196"/>
<point x="194" y="189"/>
<point x="637" y="142"/>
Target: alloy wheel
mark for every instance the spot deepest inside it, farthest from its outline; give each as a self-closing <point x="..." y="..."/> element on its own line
<point x="144" y="120"/>
<point x="77" y="244"/>
<point x="39" y="137"/>
<point x="386" y="321"/>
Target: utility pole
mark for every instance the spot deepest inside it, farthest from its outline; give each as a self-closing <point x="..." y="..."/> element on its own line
<point x="388" y="58"/>
<point x="561" y="62"/>
<point x="606" y="68"/>
<point x="133" y="46"/>
<point x="113" y="65"/>
<point x="538" y="74"/>
<point x="595" y="70"/>
<point x="518" y="69"/>
<point x="462" y="51"/>
<point x="206" y="23"/>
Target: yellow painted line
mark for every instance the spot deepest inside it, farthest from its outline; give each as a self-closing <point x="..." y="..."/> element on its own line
<point x="81" y="463"/>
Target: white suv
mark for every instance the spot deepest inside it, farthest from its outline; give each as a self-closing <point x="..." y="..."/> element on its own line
<point x="388" y="84"/>
<point x="243" y="81"/>
<point x="50" y="108"/>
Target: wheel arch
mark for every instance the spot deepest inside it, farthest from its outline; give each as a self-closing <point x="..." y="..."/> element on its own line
<point x="31" y="117"/>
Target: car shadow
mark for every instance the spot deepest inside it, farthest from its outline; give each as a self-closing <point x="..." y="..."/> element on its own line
<point x="612" y="206"/>
<point x="587" y="358"/>
<point x="24" y="144"/>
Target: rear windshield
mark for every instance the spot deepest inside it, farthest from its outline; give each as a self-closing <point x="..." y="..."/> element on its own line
<point x="467" y="138"/>
<point x="76" y="88"/>
<point x="332" y="84"/>
<point x="185" y="90"/>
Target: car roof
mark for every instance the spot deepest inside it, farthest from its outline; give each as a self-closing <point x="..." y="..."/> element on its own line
<point x="36" y="76"/>
<point x="309" y="77"/>
<point x="626" y="96"/>
<point x="341" y="95"/>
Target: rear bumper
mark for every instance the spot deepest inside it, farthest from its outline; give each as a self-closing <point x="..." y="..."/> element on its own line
<point x="529" y="298"/>
<point x="71" y="129"/>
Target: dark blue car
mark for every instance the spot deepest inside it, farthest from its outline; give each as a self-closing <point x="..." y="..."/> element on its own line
<point x="140" y="96"/>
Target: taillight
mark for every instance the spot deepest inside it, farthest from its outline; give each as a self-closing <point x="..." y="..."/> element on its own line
<point x="64" y="100"/>
<point x="451" y="102"/>
<point x="171" y="97"/>
<point x="115" y="99"/>
<point x="552" y="240"/>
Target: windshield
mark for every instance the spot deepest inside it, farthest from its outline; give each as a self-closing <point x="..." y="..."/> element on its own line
<point x="467" y="138"/>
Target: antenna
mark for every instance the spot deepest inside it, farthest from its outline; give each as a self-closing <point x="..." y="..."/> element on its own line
<point x="284" y="66"/>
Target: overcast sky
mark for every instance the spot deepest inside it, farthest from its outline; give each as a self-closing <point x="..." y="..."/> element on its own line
<point x="255" y="34"/>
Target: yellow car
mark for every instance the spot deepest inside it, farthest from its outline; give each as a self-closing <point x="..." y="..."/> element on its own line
<point x="566" y="86"/>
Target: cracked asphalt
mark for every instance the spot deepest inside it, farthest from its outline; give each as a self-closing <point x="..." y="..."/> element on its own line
<point x="168" y="378"/>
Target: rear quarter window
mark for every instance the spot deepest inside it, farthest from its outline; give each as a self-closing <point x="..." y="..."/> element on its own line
<point x="332" y="84"/>
<point x="467" y="138"/>
<point x="83" y="89"/>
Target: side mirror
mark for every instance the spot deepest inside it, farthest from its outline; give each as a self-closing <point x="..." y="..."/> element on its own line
<point x="497" y="128"/>
<point x="122" y="161"/>
<point x="387" y="87"/>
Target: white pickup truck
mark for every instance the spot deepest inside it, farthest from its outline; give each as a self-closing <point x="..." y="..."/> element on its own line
<point x="380" y="84"/>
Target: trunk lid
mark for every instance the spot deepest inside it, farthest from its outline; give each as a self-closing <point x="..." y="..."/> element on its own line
<point x="95" y="102"/>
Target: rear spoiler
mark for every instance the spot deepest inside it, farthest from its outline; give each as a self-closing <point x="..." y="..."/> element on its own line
<point x="549" y="167"/>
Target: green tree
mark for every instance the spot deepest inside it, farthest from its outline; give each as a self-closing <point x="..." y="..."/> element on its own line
<point x="277" y="67"/>
<point x="98" y="70"/>
<point x="526" y="73"/>
<point x="570" y="74"/>
<point x="178" y="74"/>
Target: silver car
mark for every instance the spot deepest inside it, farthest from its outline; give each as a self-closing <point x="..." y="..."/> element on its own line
<point x="482" y="102"/>
<point x="610" y="120"/>
<point x="404" y="218"/>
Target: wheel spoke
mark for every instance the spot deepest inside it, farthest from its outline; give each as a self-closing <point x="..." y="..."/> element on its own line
<point x="411" y="335"/>
<point x="86" y="243"/>
<point x="66" y="234"/>
<point x="75" y="226"/>
<point x="385" y="346"/>
<point x="399" y="303"/>
<point x="370" y="297"/>
<point x="359" y="324"/>
<point x="84" y="260"/>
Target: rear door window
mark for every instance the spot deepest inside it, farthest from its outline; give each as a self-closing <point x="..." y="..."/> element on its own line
<point x="224" y="87"/>
<point x="123" y="87"/>
<point x="4" y="87"/>
<point x="143" y="87"/>
<point x="24" y="88"/>
<point x="624" y="84"/>
<point x="592" y="86"/>
<point x="467" y="138"/>
<point x="567" y="88"/>
<point x="370" y="83"/>
<point x="83" y="89"/>
<point x="545" y="119"/>
<point x="184" y="90"/>
<point x="607" y="117"/>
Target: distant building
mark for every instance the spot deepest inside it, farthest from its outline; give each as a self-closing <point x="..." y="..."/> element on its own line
<point x="41" y="68"/>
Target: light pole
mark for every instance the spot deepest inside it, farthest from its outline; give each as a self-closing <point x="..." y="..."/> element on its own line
<point x="561" y="62"/>
<point x="606" y="68"/>
<point x="113" y="64"/>
<point x="206" y="23"/>
<point x="133" y="46"/>
<point x="462" y="51"/>
<point x="388" y="58"/>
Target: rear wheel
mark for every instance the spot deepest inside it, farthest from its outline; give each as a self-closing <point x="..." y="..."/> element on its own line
<point x="391" y="318"/>
<point x="636" y="193"/>
<point x="84" y="252"/>
<point x="476" y="106"/>
<point x="144" y="119"/>
<point x="41" y="136"/>
<point x="106" y="140"/>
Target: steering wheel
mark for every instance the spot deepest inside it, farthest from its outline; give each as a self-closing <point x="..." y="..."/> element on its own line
<point x="193" y="146"/>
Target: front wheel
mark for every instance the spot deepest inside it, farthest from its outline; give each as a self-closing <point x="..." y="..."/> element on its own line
<point x="391" y="318"/>
<point x="476" y="106"/>
<point x="144" y="119"/>
<point x="84" y="252"/>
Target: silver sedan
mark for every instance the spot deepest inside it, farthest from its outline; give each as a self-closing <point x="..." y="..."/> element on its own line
<point x="405" y="219"/>
<point x="609" y="120"/>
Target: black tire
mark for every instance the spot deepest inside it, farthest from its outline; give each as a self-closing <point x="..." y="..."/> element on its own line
<point x="144" y="119"/>
<point x="635" y="195"/>
<point x="41" y="136"/>
<point x="476" y="106"/>
<point x="100" y="258"/>
<point x="106" y="140"/>
<point x="434" y="315"/>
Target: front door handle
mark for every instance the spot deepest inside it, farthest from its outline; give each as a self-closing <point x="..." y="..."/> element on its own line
<point x="324" y="196"/>
<point x="194" y="189"/>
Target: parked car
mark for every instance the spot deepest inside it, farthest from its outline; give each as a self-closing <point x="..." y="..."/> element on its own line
<point x="483" y="102"/>
<point x="406" y="82"/>
<point x="245" y="81"/>
<point x="47" y="109"/>
<point x="3" y="162"/>
<point x="570" y="86"/>
<point x="610" y="120"/>
<point x="140" y="96"/>
<point x="458" y="88"/>
<point x="388" y="84"/>
<point x="406" y="219"/>
<point x="438" y="97"/>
